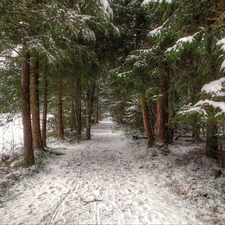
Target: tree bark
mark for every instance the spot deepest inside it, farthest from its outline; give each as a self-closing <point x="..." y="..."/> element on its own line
<point x="146" y="120"/>
<point x="35" y="111"/>
<point x="45" y="111"/>
<point x="212" y="143"/>
<point x="162" y="112"/>
<point x="88" y="116"/>
<point x="170" y="116"/>
<point x="26" y="113"/>
<point x="73" y="123"/>
<point x="78" y="108"/>
<point x="60" y="129"/>
<point x="89" y="108"/>
<point x="97" y="109"/>
<point x="98" y="113"/>
<point x="160" y="122"/>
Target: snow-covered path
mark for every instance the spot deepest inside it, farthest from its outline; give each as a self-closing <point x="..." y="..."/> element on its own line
<point x="101" y="181"/>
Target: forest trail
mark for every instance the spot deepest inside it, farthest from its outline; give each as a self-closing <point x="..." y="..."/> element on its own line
<point x="100" y="181"/>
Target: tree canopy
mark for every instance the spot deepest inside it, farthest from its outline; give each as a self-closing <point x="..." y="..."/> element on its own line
<point x="152" y="64"/>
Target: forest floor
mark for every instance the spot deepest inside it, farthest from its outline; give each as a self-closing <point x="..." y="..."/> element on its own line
<point x="113" y="179"/>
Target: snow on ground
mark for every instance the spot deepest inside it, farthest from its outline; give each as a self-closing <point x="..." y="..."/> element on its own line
<point x="113" y="179"/>
<point x="11" y="135"/>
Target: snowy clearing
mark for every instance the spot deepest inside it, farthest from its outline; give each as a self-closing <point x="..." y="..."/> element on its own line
<point x="113" y="179"/>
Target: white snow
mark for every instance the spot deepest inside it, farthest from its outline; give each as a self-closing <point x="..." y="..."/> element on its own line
<point x="200" y="107"/>
<point x="132" y="108"/>
<point x="215" y="105"/>
<point x="125" y="73"/>
<point x="222" y="65"/>
<point x="145" y="2"/>
<point x="179" y="43"/>
<point x="190" y="109"/>
<point x="215" y="88"/>
<point x="112" y="179"/>
<point x="158" y="30"/>
<point x="107" y="9"/>
<point x="88" y="35"/>
<point x="11" y="135"/>
<point x="222" y="43"/>
<point x="155" y="31"/>
<point x="8" y="55"/>
<point x="147" y="50"/>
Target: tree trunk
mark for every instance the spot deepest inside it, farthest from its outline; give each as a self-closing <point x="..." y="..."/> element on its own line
<point x="170" y="116"/>
<point x="78" y="108"/>
<point x="160" y="122"/>
<point x="88" y="116"/>
<point x="34" y="92"/>
<point x="26" y="118"/>
<point x="162" y="112"/>
<point x="60" y="129"/>
<point x="97" y="107"/>
<point x="45" y="111"/>
<point x="73" y="123"/>
<point x="89" y="109"/>
<point x="212" y="144"/>
<point x="98" y="113"/>
<point x="146" y="120"/>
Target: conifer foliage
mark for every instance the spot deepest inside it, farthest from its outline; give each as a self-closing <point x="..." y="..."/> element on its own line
<point x="182" y="51"/>
<point x="154" y="64"/>
<point x="48" y="38"/>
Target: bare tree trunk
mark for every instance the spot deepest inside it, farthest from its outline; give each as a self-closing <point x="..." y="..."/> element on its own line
<point x="45" y="111"/>
<point x="96" y="119"/>
<point x="73" y="123"/>
<point x="73" y="116"/>
<point x="78" y="108"/>
<point x="162" y="113"/>
<point x="60" y="129"/>
<point x="146" y="120"/>
<point x="98" y="113"/>
<point x="35" y="111"/>
<point x="170" y="117"/>
<point x="89" y="109"/>
<point x="212" y="143"/>
<point x="160" y="122"/>
<point x="88" y="115"/>
<point x="26" y="118"/>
